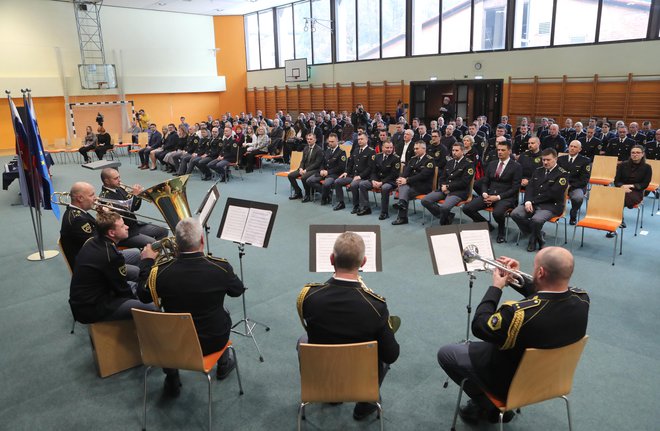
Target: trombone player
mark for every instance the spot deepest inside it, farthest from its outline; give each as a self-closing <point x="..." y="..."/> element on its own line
<point x="139" y="234"/>
<point x="552" y="314"/>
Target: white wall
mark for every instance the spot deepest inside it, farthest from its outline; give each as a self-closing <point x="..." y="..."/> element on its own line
<point x="154" y="52"/>
<point x="610" y="59"/>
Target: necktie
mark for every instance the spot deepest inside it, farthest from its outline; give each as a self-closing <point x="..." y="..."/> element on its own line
<point x="309" y="155"/>
<point x="546" y="172"/>
<point x="571" y="160"/>
<point x="499" y="170"/>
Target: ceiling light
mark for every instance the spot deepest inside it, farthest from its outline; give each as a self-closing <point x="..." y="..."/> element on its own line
<point x="161" y="3"/>
<point x="433" y="78"/>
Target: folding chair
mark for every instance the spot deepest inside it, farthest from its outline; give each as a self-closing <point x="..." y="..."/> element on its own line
<point x="654" y="185"/>
<point x="603" y="170"/>
<point x="296" y="159"/>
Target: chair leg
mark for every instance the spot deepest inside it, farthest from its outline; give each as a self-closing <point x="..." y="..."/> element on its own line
<point x="301" y="414"/>
<point x="73" y="326"/>
<point x="144" y="417"/>
<point x="208" y="379"/>
<point x="458" y="405"/>
<point x="380" y="416"/>
<point x="568" y="413"/>
<point x="238" y="371"/>
<point x="501" y="421"/>
<point x="565" y="232"/>
<point x="573" y="239"/>
<point x="614" y="250"/>
<point x="639" y="207"/>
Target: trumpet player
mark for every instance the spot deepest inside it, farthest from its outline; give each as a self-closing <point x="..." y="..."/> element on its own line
<point x="139" y="234"/>
<point x="551" y="315"/>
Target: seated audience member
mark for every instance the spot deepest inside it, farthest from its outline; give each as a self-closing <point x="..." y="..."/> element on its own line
<point x="454" y="185"/>
<point x="416" y="179"/>
<point x="180" y="149"/>
<point x="591" y="145"/>
<point x="228" y="155"/>
<point x="343" y="311"/>
<point x="568" y="132"/>
<point x="99" y="288"/>
<point x="276" y="136"/>
<point x="551" y="315"/>
<point x="438" y="151"/>
<point x="620" y="145"/>
<point x="636" y="135"/>
<point x="333" y="165"/>
<point x="499" y="190"/>
<point x="170" y="142"/>
<point x="197" y="284"/>
<point x="520" y="141"/>
<point x="653" y="147"/>
<point x="155" y="141"/>
<point x="544" y="199"/>
<point x="259" y="145"/>
<point x="310" y="165"/>
<point x="406" y="150"/>
<point x="89" y="144"/>
<point x="385" y="171"/>
<point x="578" y="168"/>
<point x="554" y="140"/>
<point x="203" y="149"/>
<point x="448" y="139"/>
<point x="192" y="143"/>
<point x="104" y="143"/>
<point x="530" y="160"/>
<point x="359" y="167"/>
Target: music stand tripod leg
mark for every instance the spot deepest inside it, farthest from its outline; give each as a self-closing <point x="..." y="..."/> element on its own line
<point x="469" y="316"/>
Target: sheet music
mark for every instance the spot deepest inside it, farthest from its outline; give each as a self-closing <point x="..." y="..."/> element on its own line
<point x="208" y="207"/>
<point x="326" y="241"/>
<point x="480" y="238"/>
<point x="235" y="223"/>
<point x="256" y="226"/>
<point x="448" y="254"/>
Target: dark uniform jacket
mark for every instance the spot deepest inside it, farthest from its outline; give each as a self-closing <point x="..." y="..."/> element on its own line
<point x="122" y="195"/>
<point x="214" y="148"/>
<point x="557" y="142"/>
<point x="639" y="137"/>
<point x="203" y="146"/>
<point x="541" y="320"/>
<point x="343" y="312"/>
<point x="197" y="284"/>
<point x="568" y="133"/>
<point x="419" y="173"/>
<point x="386" y="171"/>
<point x="508" y="183"/>
<point x="440" y="155"/>
<point x="520" y="143"/>
<point x="334" y="161"/>
<point x="457" y="175"/>
<point x="618" y="148"/>
<point x="337" y="130"/>
<point x="397" y="140"/>
<point x="637" y="174"/>
<point x="546" y="192"/>
<point x="591" y="148"/>
<point x="361" y="163"/>
<point x="98" y="285"/>
<point x="311" y="162"/>
<point x="652" y="150"/>
<point x="530" y="162"/>
<point x="192" y="143"/>
<point x="579" y="171"/>
<point x="77" y="227"/>
<point x="229" y="149"/>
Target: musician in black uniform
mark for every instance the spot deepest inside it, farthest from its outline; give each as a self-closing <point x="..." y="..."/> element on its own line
<point x="578" y="168"/>
<point x="417" y="179"/>
<point x="334" y="164"/>
<point x="544" y="199"/>
<point x="343" y="310"/>
<point x="499" y="190"/>
<point x="454" y="185"/>
<point x="386" y="168"/>
<point x="197" y="284"/>
<point x="359" y="167"/>
<point x="310" y="165"/>
<point x="591" y="145"/>
<point x="551" y="315"/>
<point x="99" y="288"/>
<point x="78" y="225"/>
<point x="530" y="160"/>
<point x="139" y="234"/>
<point x="634" y="176"/>
<point x="620" y="146"/>
<point x="554" y="140"/>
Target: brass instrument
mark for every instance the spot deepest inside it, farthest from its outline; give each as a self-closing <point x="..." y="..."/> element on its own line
<point x="517" y="278"/>
<point x="166" y="249"/>
<point x="127" y="188"/>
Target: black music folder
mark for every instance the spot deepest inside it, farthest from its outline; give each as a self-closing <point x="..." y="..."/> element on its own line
<point x="322" y="238"/>
<point x="247" y="222"/>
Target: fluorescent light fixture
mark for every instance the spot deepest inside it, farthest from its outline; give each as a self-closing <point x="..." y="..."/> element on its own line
<point x="478" y="77"/>
<point x="433" y="78"/>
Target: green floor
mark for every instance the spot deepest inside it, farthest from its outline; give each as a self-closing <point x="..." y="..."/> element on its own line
<point x="49" y="381"/>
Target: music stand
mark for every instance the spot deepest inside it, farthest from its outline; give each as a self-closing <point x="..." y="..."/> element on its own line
<point x="204" y="212"/>
<point x="322" y="239"/>
<point x="247" y="223"/>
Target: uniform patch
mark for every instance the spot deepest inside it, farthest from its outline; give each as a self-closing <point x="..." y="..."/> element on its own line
<point x="495" y="322"/>
<point x="122" y="270"/>
<point x="588" y="168"/>
<point x="470" y="171"/>
<point x="562" y="181"/>
<point x="429" y="165"/>
<point x="373" y="157"/>
<point x="397" y="166"/>
<point x="87" y="228"/>
<point x="437" y="154"/>
<point x="343" y="158"/>
<point x="537" y="160"/>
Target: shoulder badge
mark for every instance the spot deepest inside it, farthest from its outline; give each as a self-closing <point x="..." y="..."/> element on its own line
<point x="470" y="171"/>
<point x="301" y="299"/>
<point x="429" y="165"/>
<point x="235" y="145"/>
<point x="373" y="157"/>
<point x="562" y="170"/>
<point x="576" y="290"/>
<point x="397" y="165"/>
<point x="87" y="228"/>
<point x="562" y="181"/>
<point x="373" y="294"/>
<point x="343" y="158"/>
<point x="588" y="168"/>
<point x="495" y="322"/>
<point x="518" y="320"/>
<point x="217" y="259"/>
<point x="537" y="159"/>
<point x="76" y="212"/>
<point x="437" y="154"/>
<point x="122" y="270"/>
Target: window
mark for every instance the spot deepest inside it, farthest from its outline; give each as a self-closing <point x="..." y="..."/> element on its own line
<point x="285" y="34"/>
<point x="624" y="20"/>
<point x="321" y="34"/>
<point x="394" y="28"/>
<point x="489" y="25"/>
<point x="345" y="29"/>
<point x="303" y="38"/>
<point x="252" y="41"/>
<point x="267" y="39"/>
<point x="425" y="23"/>
<point x="368" y="30"/>
<point x="456" y="16"/>
<point x="533" y="23"/>
<point x="576" y="21"/>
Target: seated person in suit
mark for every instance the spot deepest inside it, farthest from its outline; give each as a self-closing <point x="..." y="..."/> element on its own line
<point x="652" y="147"/>
<point x="310" y="165"/>
<point x="591" y="145"/>
<point x="578" y="168"/>
<point x="334" y="164"/>
<point x="551" y="315"/>
<point x="416" y="179"/>
<point x="620" y="145"/>
<point x="385" y="171"/>
<point x="544" y="199"/>
<point x="359" y="167"/>
<point x="499" y="190"/>
<point x="343" y="310"/>
<point x="406" y="150"/>
<point x="453" y="185"/>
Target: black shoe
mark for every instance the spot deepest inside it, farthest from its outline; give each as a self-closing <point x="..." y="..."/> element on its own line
<point x="399" y="221"/>
<point x="471" y="413"/>
<point x="225" y="368"/>
<point x="500" y="239"/>
<point x="325" y="201"/>
<point x="207" y="178"/>
<point x="363" y="410"/>
<point x="339" y="206"/>
<point x="610" y="235"/>
<point x="355" y="210"/>
<point x="294" y="197"/>
<point x="172" y="387"/>
<point x="494" y="416"/>
<point x="531" y="246"/>
<point x="364" y="211"/>
<point x="383" y="216"/>
<point x="306" y="199"/>
<point x="573" y="221"/>
<point x="450" y="218"/>
<point x="541" y="240"/>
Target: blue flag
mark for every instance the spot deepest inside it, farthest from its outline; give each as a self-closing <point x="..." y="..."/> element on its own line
<point x="22" y="152"/>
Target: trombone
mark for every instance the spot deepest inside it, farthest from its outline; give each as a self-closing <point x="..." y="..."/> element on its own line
<point x="517" y="278"/>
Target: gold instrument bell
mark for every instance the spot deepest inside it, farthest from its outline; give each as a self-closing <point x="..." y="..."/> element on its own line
<point x="170" y="199"/>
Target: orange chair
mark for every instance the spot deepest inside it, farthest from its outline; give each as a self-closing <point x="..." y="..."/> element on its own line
<point x="603" y="170"/>
<point x="296" y="159"/>
<point x="654" y="185"/>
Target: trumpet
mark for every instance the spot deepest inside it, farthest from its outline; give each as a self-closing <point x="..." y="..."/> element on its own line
<point x="127" y="188"/>
<point x="518" y="278"/>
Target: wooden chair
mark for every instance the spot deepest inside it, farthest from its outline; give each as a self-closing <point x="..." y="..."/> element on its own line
<point x="531" y="386"/>
<point x="604" y="212"/>
<point x="169" y="340"/>
<point x="332" y="373"/>
<point x="296" y="159"/>
<point x="654" y="185"/>
<point x="134" y="151"/>
<point x="603" y="170"/>
<point x="115" y="346"/>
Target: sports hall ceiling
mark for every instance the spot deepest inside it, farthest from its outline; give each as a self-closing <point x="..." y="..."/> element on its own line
<point x="199" y="7"/>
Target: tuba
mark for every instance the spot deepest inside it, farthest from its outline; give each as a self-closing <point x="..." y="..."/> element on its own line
<point x="170" y="199"/>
